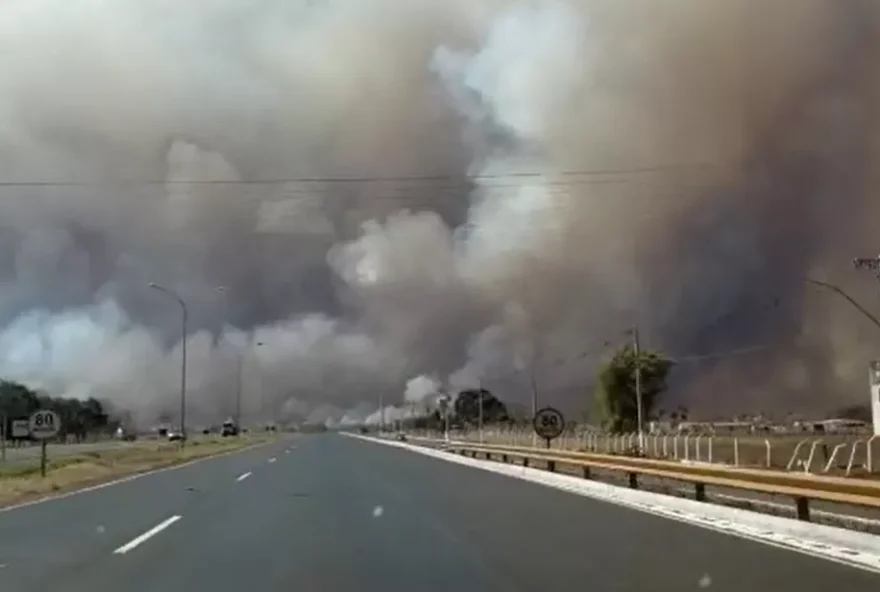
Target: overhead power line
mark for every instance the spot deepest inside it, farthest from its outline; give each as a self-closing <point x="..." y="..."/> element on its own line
<point x="572" y="176"/>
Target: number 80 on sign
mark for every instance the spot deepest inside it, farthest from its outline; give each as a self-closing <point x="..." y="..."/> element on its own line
<point x="44" y="424"/>
<point x="549" y="423"/>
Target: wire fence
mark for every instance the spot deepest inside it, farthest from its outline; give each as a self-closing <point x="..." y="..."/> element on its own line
<point x="850" y="454"/>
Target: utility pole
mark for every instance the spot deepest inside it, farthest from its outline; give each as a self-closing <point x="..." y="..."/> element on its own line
<point x="445" y="400"/>
<point x="381" y="412"/>
<point x="639" y="410"/>
<point x="534" y="381"/>
<point x="238" y="389"/>
<point x="480" y="403"/>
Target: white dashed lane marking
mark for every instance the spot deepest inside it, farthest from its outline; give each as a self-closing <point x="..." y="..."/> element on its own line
<point x="147" y="535"/>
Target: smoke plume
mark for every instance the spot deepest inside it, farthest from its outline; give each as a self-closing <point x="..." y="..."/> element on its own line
<point x="480" y="192"/>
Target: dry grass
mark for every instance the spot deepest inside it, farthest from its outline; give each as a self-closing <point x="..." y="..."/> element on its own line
<point x="21" y="481"/>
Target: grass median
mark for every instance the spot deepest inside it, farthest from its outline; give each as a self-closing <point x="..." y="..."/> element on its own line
<point x="21" y="480"/>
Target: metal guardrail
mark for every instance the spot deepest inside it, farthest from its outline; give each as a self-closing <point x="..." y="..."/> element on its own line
<point x="832" y="453"/>
<point x="801" y="487"/>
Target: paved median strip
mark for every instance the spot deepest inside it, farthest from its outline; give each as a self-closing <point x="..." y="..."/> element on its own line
<point x="146" y="536"/>
<point x="243" y="476"/>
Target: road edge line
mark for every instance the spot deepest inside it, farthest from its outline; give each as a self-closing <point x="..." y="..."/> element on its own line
<point x="732" y="523"/>
<point x="126" y="479"/>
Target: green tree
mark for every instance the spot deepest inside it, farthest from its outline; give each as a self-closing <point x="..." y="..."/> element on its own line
<point x="78" y="418"/>
<point x="615" y="393"/>
<point x="467" y="407"/>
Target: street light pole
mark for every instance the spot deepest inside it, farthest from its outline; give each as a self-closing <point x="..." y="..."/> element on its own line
<point x="839" y="291"/>
<point x="183" y="334"/>
<point x="239" y="354"/>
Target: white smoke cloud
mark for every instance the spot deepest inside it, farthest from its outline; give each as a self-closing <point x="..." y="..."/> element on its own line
<point x="420" y="388"/>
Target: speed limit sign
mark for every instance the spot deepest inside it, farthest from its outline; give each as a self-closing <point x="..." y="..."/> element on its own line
<point x="44" y="424"/>
<point x="549" y="423"/>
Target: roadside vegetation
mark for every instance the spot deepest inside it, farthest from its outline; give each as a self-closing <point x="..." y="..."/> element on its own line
<point x="21" y="480"/>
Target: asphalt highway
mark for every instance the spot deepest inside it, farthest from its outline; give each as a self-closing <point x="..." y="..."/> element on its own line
<point x="327" y="513"/>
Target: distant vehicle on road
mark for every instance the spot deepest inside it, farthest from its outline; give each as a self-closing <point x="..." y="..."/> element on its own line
<point x="175" y="436"/>
<point x="125" y="435"/>
<point x="229" y="428"/>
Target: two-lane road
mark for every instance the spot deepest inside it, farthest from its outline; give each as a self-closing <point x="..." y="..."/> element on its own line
<point x="328" y="513"/>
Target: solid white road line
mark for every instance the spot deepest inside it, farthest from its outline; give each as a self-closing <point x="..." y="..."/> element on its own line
<point x="271" y="460"/>
<point x="243" y="476"/>
<point x="149" y="534"/>
<point x="849" y="547"/>
<point x="60" y="496"/>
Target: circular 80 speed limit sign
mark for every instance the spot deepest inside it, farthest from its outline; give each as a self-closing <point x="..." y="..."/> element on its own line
<point x="549" y="423"/>
<point x="44" y="424"/>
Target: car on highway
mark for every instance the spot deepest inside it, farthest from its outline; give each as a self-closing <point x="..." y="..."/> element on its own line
<point x="228" y="428"/>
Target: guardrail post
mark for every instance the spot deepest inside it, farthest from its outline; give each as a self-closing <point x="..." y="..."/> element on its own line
<point x="700" y="492"/>
<point x="525" y="461"/>
<point x="736" y="452"/>
<point x="587" y="472"/>
<point x="503" y="458"/>
<point x="551" y="466"/>
<point x="803" y="508"/>
<point x="697" y="456"/>
<point x="687" y="449"/>
<point x="769" y="453"/>
<point x="634" y="480"/>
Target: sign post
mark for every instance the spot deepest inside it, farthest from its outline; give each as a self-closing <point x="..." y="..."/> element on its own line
<point x="875" y="396"/>
<point x="43" y="424"/>
<point x="549" y="424"/>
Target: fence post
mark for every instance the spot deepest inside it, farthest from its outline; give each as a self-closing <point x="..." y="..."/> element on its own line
<point x="852" y="456"/>
<point x="870" y="453"/>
